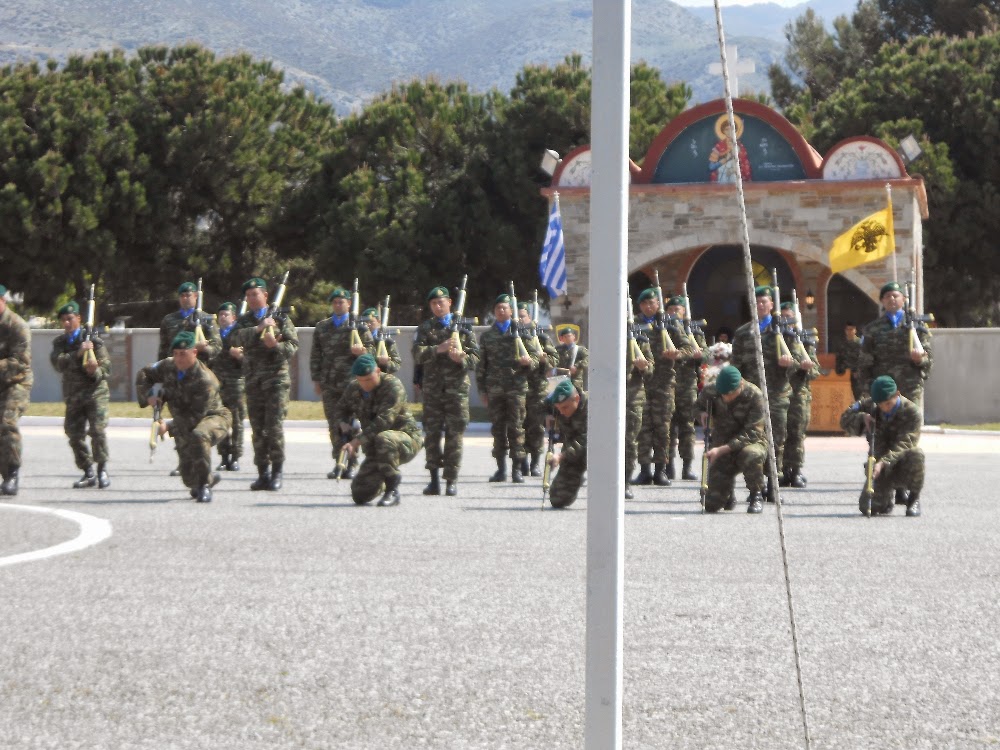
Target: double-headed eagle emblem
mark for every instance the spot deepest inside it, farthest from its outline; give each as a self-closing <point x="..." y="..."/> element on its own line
<point x="867" y="236"/>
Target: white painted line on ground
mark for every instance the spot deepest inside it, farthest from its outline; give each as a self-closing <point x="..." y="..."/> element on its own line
<point x="93" y="531"/>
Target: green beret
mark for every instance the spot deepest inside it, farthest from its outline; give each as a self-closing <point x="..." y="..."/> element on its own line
<point x="892" y="286"/>
<point x="787" y="306"/>
<point x="678" y="300"/>
<point x="566" y="331"/>
<point x="363" y="365"/>
<point x="183" y="340"/>
<point x="502" y="298"/>
<point x="882" y="388"/>
<point x="562" y="392"/>
<point x="3" y="290"/>
<point x="524" y="306"/>
<point x="254" y="283"/>
<point x="187" y="286"/>
<point x="764" y="291"/>
<point x="370" y="312"/>
<point x="338" y="293"/>
<point x="69" y="308"/>
<point x="438" y="292"/>
<point x="228" y="306"/>
<point x="728" y="380"/>
<point x="647" y="294"/>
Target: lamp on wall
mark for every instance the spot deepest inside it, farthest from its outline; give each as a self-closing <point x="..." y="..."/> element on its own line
<point x="909" y="149"/>
<point x="810" y="300"/>
<point x="566" y="304"/>
<point x="550" y="162"/>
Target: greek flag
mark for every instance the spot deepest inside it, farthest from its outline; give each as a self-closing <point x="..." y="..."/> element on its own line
<point x="552" y="266"/>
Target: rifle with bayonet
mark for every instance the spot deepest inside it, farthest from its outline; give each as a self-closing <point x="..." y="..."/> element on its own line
<point x="870" y="464"/>
<point x="88" y="328"/>
<point x="347" y="433"/>
<point x="275" y="310"/>
<point x="666" y="343"/>
<point x="199" y="333"/>
<point x="692" y="328"/>
<point x="550" y="453"/>
<point x="383" y="334"/>
<point x="459" y="324"/>
<point x="520" y="350"/>
<point x="355" y="321"/>
<point x="916" y="323"/>
<point x="809" y="338"/>
<point x="154" y="432"/>
<point x="777" y="327"/>
<point x="635" y="335"/>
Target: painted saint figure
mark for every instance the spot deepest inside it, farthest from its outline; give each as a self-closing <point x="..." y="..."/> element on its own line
<point x="727" y="152"/>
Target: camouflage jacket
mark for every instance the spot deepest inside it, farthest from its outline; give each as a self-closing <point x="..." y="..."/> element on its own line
<point x="573" y="433"/>
<point x="548" y="357"/>
<point x="885" y="350"/>
<point x="66" y="360"/>
<point x="227" y="369"/>
<point x="636" y="380"/>
<point x="847" y="355"/>
<point x="192" y="398"/>
<point x="689" y="369"/>
<point x="395" y="363"/>
<point x="801" y="380"/>
<point x="498" y="369"/>
<point x="667" y="369"/>
<point x="260" y="364"/>
<point x="745" y="358"/>
<point x="330" y="360"/>
<point x="737" y="424"/>
<point x="174" y="323"/>
<point x="385" y="408"/>
<point x="894" y="434"/>
<point x="440" y="373"/>
<point x="15" y="351"/>
<point x="581" y="361"/>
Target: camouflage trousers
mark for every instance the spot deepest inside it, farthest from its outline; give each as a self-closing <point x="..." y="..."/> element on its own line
<point x="654" y="436"/>
<point x="536" y="410"/>
<point x="331" y="396"/>
<point x="799" y="413"/>
<point x="234" y="398"/>
<point x="780" y="403"/>
<point x="446" y="415"/>
<point x="14" y="401"/>
<point x="83" y="408"/>
<point x="722" y="474"/>
<point x="857" y="387"/>
<point x="566" y="483"/>
<point x="267" y="408"/>
<point x="635" y="404"/>
<point x="906" y="473"/>
<point x="194" y="449"/>
<point x="682" y="429"/>
<point x="507" y="410"/>
<point x="391" y="449"/>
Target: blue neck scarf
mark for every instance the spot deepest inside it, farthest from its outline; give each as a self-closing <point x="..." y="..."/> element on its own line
<point x="503" y="327"/>
<point x="186" y="313"/>
<point x="181" y="374"/>
<point x="225" y="331"/>
<point x="72" y="338"/>
<point x="445" y="321"/>
<point x="648" y="321"/>
<point x="892" y="412"/>
<point x="339" y="320"/>
<point x="764" y="323"/>
<point x="895" y="318"/>
<point x="259" y="315"/>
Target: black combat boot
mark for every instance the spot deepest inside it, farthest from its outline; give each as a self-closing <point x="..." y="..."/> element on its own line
<point x="391" y="495"/>
<point x="10" y="481"/>
<point x="902" y="496"/>
<point x="913" y="505"/>
<point x="263" y="480"/>
<point x="103" y="480"/>
<point x="351" y="470"/>
<point x="535" y="471"/>
<point x="204" y="494"/>
<point x="644" y="477"/>
<point x="175" y="472"/>
<point x="671" y="475"/>
<point x="769" y="492"/>
<point x="660" y="478"/>
<point x="224" y="463"/>
<point x="234" y="463"/>
<point x="452" y="488"/>
<point x="629" y="495"/>
<point x="516" y="474"/>
<point x="434" y="488"/>
<point x="785" y="479"/>
<point x="756" y="505"/>
<point x="525" y="467"/>
<point x="686" y="472"/>
<point x="89" y="479"/>
<point x="731" y="502"/>
<point x="500" y="475"/>
<point x="797" y="479"/>
<point x="275" y="484"/>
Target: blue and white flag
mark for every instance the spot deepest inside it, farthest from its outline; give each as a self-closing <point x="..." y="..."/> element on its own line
<point x="552" y="266"/>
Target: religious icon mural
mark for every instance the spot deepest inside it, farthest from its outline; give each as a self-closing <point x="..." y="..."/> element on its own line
<point x="729" y="154"/>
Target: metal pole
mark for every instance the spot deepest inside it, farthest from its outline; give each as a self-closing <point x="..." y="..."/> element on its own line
<point x="608" y="278"/>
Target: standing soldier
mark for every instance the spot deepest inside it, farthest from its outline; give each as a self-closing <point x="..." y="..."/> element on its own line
<point x="799" y="409"/>
<point x="389" y="363"/>
<point x="86" y="393"/>
<point x="229" y="370"/>
<point x="682" y="432"/>
<point x="389" y="435"/>
<point x="265" y="341"/>
<point x="445" y="361"/>
<point x="336" y="345"/>
<point x="571" y="417"/>
<point x="199" y="419"/>
<point x="574" y="360"/>
<point x="848" y="354"/>
<point x="502" y="381"/>
<point x="535" y="408"/>
<point x="639" y="365"/>
<point x="15" y="390"/>
<point x="887" y="348"/>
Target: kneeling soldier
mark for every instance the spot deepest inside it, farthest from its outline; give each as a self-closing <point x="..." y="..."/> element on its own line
<point x="571" y="420"/>
<point x="200" y="421"/>
<point x="739" y="441"/>
<point x="389" y="435"/>
<point x="899" y="462"/>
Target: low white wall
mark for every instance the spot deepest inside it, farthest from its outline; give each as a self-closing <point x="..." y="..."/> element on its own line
<point x="962" y="388"/>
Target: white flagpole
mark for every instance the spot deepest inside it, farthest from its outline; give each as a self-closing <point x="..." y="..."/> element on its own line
<point x="888" y="202"/>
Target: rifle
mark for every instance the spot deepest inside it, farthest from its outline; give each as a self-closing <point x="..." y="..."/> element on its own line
<point x="808" y="338"/>
<point x="916" y="323"/>
<point x="199" y="334"/>
<point x="88" y="329"/>
<point x="157" y="392"/>
<point x="519" y="348"/>
<point x="870" y="464"/>
<point x="243" y="308"/>
<point x="383" y="334"/>
<point x="343" y="458"/>
<point x="704" y="456"/>
<point x="460" y="325"/>
<point x="779" y="330"/>
<point x="275" y="310"/>
<point x="534" y="322"/>
<point x="661" y="315"/>
<point x="547" y="470"/>
<point x="691" y="327"/>
<point x="634" y="336"/>
<point x="355" y="309"/>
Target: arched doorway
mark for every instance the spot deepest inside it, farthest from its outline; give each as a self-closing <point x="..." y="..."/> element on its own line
<point x="846" y="303"/>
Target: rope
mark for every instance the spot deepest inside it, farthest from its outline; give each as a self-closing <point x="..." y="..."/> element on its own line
<point x="751" y="296"/>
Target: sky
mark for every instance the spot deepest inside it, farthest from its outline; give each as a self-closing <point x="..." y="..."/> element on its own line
<point x="724" y="3"/>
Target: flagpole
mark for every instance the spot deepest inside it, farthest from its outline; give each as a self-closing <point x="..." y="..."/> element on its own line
<point x="888" y="197"/>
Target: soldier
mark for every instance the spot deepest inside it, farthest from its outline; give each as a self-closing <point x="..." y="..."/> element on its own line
<point x="739" y="441"/>
<point x="199" y="418"/>
<point x="777" y="369"/>
<point x="886" y="348"/>
<point x="86" y="393"/>
<point x="445" y="364"/>
<point x="330" y="361"/>
<point x="502" y="380"/>
<point x="536" y="409"/>
<point x="571" y="417"/>
<point x="265" y="342"/>
<point x="799" y="410"/>
<point x="640" y="366"/>
<point x="899" y="460"/>
<point x="574" y="360"/>
<point x="389" y="435"/>
<point x="654" y="437"/>
<point x="848" y="354"/>
<point x="229" y="370"/>
<point x="389" y="363"/>
<point x="688" y="369"/>
<point x="15" y="390"/>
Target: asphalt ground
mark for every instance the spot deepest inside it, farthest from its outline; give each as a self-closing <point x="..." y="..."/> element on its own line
<point x="297" y="620"/>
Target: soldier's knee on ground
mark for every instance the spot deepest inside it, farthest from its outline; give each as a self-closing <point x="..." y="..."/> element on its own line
<point x="365" y="491"/>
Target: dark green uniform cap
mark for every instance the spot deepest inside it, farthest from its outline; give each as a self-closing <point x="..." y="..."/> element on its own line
<point x="187" y="286"/>
<point x="566" y="331"/>
<point x="646" y="294"/>
<point x="338" y="293"/>
<point x="501" y="298"/>
<point x="677" y="300"/>
<point x="183" y="340"/>
<point x="882" y="388"/>
<point x="787" y="306"/>
<point x="438" y="292"/>
<point x="524" y="306"/>
<point x="228" y="306"/>
<point x="3" y="290"/>
<point x="70" y="308"/>
<point x="892" y="286"/>
<point x="254" y="283"/>
<point x="561" y="392"/>
<point x="764" y="291"/>
<point x="371" y="312"/>
<point x="728" y="380"/>
<point x="363" y="365"/>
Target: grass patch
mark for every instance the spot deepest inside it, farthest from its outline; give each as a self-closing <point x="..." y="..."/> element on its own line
<point x="987" y="426"/>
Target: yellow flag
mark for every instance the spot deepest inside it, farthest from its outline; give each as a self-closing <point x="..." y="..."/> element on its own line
<point x="870" y="239"/>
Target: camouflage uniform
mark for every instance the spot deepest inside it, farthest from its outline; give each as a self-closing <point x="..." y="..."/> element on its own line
<point x="635" y="403"/>
<point x="848" y="355"/>
<point x="229" y="371"/>
<point x="330" y="363"/>
<point x="15" y="388"/>
<point x="885" y="350"/>
<point x="799" y="412"/>
<point x="199" y="418"/>
<point x="389" y="435"/>
<point x="86" y="397"/>
<point x="581" y="362"/>
<point x="175" y="322"/>
<point x="395" y="363"/>
<point x="896" y="438"/>
<point x="445" y="393"/>
<point x="682" y="428"/>
<point x="573" y="463"/>
<point x="536" y="410"/>
<point x="268" y="383"/>
<point x="654" y="437"/>
<point x="501" y="378"/>
<point x="740" y="425"/>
